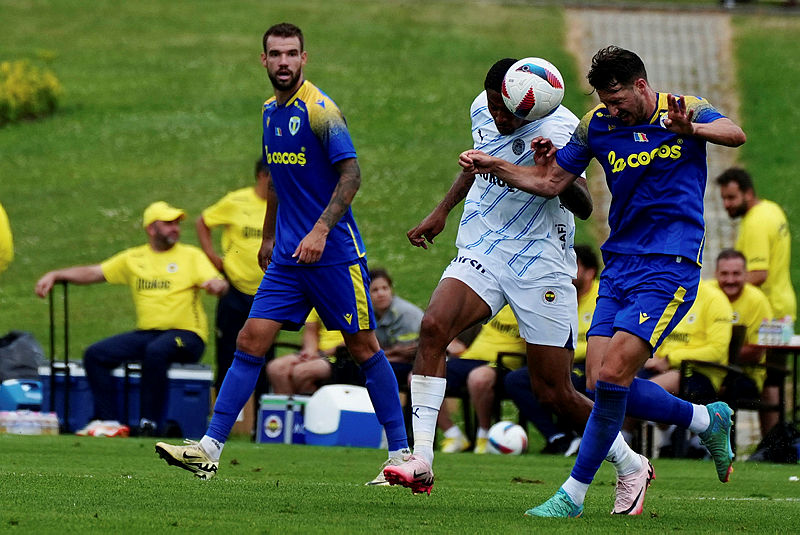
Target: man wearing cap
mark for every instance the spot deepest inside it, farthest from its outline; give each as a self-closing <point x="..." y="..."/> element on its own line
<point x="165" y="278"/>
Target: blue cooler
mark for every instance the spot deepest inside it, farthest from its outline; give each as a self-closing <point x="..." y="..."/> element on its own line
<point x="280" y="419"/>
<point x="20" y="394"/>
<point x="342" y="415"/>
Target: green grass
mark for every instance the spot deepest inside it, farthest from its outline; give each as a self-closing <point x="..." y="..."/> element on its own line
<point x="70" y="484"/>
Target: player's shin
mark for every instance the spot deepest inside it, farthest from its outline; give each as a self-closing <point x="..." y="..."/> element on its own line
<point x="427" y="394"/>
<point x="381" y="384"/>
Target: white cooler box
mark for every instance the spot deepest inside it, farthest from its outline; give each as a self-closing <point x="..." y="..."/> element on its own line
<point x="342" y="415"/>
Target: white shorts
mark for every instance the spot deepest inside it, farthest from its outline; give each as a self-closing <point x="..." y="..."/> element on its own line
<point x="546" y="307"/>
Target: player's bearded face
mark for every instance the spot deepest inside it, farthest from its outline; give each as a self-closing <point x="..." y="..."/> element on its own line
<point x="628" y="104"/>
<point x="733" y="199"/>
<point x="731" y="276"/>
<point x="284" y="62"/>
<point x="166" y="233"/>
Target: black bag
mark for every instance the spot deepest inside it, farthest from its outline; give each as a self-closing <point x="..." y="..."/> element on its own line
<point x="20" y="356"/>
<point x="780" y="445"/>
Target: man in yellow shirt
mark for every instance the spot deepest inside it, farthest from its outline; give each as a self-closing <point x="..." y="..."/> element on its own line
<point x="750" y="308"/>
<point x="6" y="241"/>
<point x="763" y="239"/>
<point x="240" y="213"/>
<point x="165" y="278"/>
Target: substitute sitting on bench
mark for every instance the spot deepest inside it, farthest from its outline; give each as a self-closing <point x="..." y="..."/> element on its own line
<point x="165" y="278"/>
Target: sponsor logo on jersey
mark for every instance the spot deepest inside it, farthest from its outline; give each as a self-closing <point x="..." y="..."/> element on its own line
<point x="153" y="284"/>
<point x="639" y="137"/>
<point x="637" y="159"/>
<point x="491" y="179"/>
<point x="251" y="232"/>
<point x="518" y="146"/>
<point x="471" y="261"/>
<point x="561" y="232"/>
<point x="294" y="124"/>
<point x="285" y="158"/>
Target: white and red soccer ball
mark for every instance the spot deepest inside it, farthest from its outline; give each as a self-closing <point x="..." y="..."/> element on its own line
<point x="507" y="438"/>
<point x="532" y="88"/>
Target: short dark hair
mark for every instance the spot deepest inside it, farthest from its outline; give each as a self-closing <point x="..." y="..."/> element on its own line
<point x="283" y="29"/>
<point x="587" y="257"/>
<point x="728" y="254"/>
<point x="261" y="167"/>
<point x="380" y="273"/>
<point x="613" y="66"/>
<point x="738" y="175"/>
<point x="494" y="78"/>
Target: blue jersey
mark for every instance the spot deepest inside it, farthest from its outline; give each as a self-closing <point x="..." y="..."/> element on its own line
<point x="302" y="141"/>
<point x="657" y="179"/>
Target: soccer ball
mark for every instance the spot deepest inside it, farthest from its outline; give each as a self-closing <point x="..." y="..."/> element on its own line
<point x="507" y="438"/>
<point x="532" y="88"/>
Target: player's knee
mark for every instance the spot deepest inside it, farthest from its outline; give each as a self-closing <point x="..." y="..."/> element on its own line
<point x="481" y="379"/>
<point x="433" y="331"/>
<point x="250" y="343"/>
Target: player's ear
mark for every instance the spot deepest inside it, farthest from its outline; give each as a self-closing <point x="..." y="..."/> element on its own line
<point x="303" y="58"/>
<point x="264" y="59"/>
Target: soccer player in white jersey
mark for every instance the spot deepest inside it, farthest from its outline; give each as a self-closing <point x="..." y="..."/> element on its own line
<point x="513" y="248"/>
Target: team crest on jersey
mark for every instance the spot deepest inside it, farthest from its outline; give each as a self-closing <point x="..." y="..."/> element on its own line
<point x="691" y="318"/>
<point x="549" y="296"/>
<point x="294" y="124"/>
<point x="518" y="146"/>
<point x="735" y="317"/>
<point x="661" y="120"/>
<point x="172" y="267"/>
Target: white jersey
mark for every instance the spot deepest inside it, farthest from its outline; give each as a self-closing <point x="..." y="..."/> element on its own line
<point x="532" y="235"/>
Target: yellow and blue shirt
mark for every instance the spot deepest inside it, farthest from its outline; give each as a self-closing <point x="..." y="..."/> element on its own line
<point x="765" y="242"/>
<point x="656" y="177"/>
<point x="165" y="285"/>
<point x="704" y="333"/>
<point x="499" y="335"/>
<point x="241" y="214"/>
<point x="302" y="141"/>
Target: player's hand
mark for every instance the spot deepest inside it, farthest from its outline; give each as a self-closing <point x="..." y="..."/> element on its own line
<point x="543" y="150"/>
<point x="265" y="252"/>
<point x="310" y="248"/>
<point x="428" y="229"/>
<point x="216" y="287"/>
<point x="45" y="284"/>
<point x="475" y="161"/>
<point x="678" y="119"/>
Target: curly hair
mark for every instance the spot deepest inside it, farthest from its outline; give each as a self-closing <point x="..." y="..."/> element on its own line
<point x="613" y="66"/>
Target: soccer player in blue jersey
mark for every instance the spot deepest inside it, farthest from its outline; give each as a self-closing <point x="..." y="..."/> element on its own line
<point x="311" y="250"/>
<point x="652" y="147"/>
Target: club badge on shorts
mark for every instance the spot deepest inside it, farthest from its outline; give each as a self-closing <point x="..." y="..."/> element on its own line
<point x="549" y="297"/>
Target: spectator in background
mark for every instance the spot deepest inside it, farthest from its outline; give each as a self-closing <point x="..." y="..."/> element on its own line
<point x="560" y="439"/>
<point x="240" y="213"/>
<point x="301" y="373"/>
<point x="6" y="241"/>
<point x="165" y="278"/>
<point x="763" y="239"/>
<point x="765" y="242"/>
<point x="476" y="367"/>
<point x="750" y="308"/>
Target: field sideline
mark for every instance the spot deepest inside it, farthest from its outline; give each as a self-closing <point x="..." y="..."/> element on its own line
<point x="73" y="484"/>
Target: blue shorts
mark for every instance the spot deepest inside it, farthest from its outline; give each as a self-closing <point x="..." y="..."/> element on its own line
<point x="645" y="295"/>
<point x="339" y="293"/>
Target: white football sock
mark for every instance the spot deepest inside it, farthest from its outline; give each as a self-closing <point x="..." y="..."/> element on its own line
<point x="212" y="447"/>
<point x="575" y="490"/>
<point x="700" y="419"/>
<point x="625" y="460"/>
<point x="427" y="394"/>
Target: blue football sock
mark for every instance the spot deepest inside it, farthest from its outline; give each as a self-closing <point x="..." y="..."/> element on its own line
<point x="236" y="389"/>
<point x="382" y="387"/>
<point x="649" y="401"/>
<point x="604" y="424"/>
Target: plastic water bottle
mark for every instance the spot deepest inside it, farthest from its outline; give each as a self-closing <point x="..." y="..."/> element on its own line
<point x="787" y="330"/>
<point x="762" y="332"/>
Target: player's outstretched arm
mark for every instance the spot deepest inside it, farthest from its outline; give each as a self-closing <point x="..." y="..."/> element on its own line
<point x="75" y="275"/>
<point x="268" y="230"/>
<point x="310" y="248"/>
<point x="722" y="131"/>
<point x="434" y="223"/>
<point x="577" y="199"/>
<point x="543" y="180"/>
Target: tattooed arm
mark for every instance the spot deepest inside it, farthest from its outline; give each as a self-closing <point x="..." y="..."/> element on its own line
<point x="310" y="248"/>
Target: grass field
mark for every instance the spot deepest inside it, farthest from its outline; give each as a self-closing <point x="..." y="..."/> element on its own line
<point x="70" y="484"/>
<point x="162" y="101"/>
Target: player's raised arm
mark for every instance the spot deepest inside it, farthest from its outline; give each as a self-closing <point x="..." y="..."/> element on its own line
<point x="721" y="131"/>
<point x="434" y="223"/>
<point x="577" y="199"/>
<point x="546" y="181"/>
<point x="310" y="248"/>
